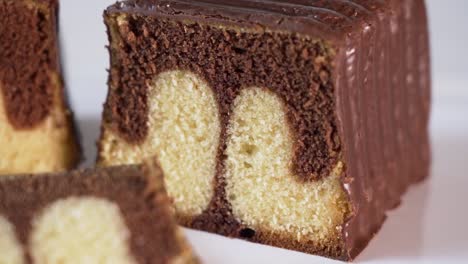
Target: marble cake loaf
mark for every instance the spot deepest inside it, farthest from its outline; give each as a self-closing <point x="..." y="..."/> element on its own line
<point x="118" y="215"/>
<point x="296" y="123"/>
<point x="36" y="126"/>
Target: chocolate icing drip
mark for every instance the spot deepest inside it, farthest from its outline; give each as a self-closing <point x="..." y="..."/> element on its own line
<point x="28" y="60"/>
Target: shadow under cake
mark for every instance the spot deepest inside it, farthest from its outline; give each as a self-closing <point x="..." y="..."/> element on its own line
<point x="297" y="124"/>
<point x="36" y="126"/>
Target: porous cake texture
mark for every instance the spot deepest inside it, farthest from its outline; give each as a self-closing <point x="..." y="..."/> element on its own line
<point x="36" y="126"/>
<point x="297" y="124"/>
<point x="117" y="215"/>
<point x="186" y="118"/>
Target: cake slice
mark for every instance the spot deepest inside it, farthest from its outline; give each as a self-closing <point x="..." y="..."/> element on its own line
<point x="118" y="215"/>
<point x="296" y="123"/>
<point x="36" y="127"/>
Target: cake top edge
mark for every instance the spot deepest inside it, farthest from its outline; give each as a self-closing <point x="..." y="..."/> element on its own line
<point x="108" y="172"/>
<point x="112" y="182"/>
<point x="331" y="19"/>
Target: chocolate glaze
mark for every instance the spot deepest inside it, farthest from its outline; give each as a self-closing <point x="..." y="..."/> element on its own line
<point x="331" y="19"/>
<point x="383" y="104"/>
<point x="374" y="82"/>
<point x="28" y="58"/>
<point x="140" y="196"/>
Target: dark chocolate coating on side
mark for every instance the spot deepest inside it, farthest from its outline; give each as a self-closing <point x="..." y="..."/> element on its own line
<point x="141" y="198"/>
<point x="384" y="114"/>
<point x="377" y="87"/>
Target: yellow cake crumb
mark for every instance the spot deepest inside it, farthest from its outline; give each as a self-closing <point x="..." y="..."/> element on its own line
<point x="11" y="251"/>
<point x="47" y="147"/>
<point x="184" y="130"/>
<point x="80" y="230"/>
<point x="261" y="188"/>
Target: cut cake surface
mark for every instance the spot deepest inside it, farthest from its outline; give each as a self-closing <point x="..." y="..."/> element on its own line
<point x="37" y="133"/>
<point x="297" y="124"/>
<point x="116" y="215"/>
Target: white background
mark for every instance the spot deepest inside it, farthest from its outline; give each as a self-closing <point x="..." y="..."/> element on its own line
<point x="430" y="226"/>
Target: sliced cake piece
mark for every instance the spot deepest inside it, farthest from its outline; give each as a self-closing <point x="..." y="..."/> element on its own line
<point x="295" y="123"/>
<point x="36" y="126"/>
<point x="115" y="215"/>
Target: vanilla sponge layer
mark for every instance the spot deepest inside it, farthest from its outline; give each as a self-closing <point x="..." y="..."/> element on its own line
<point x="11" y="251"/>
<point x="48" y="147"/>
<point x="261" y="189"/>
<point x="71" y="231"/>
<point x="184" y="131"/>
<point x="80" y="230"/>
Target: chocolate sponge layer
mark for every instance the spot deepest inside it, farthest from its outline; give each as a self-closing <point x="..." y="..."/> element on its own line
<point x="28" y="58"/>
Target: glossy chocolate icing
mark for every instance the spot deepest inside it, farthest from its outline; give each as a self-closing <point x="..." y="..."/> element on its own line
<point x="329" y="19"/>
<point x="383" y="98"/>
